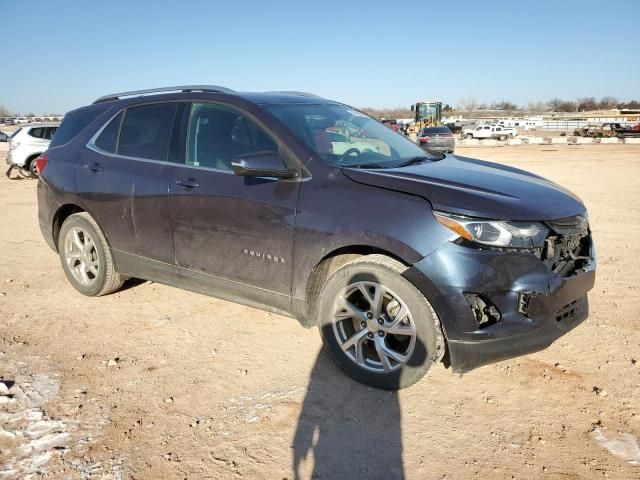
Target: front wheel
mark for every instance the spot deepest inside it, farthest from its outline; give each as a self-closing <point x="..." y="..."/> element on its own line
<point x="86" y="257"/>
<point x="377" y="326"/>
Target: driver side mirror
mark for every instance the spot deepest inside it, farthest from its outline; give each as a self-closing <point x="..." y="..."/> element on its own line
<point x="262" y="164"/>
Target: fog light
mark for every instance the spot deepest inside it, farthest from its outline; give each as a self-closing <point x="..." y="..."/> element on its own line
<point x="485" y="312"/>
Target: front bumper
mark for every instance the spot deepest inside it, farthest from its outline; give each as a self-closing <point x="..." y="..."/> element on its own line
<point x="554" y="304"/>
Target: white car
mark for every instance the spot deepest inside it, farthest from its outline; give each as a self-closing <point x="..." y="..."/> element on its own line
<point x="27" y="143"/>
<point x="490" y="131"/>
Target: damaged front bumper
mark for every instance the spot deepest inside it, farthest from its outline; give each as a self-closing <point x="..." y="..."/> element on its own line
<point x="495" y="305"/>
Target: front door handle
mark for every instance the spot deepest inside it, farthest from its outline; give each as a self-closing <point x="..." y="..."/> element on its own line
<point x="187" y="183"/>
<point x="94" y="167"/>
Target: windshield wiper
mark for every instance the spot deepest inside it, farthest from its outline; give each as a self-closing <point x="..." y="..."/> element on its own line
<point x="414" y="161"/>
<point x="367" y="165"/>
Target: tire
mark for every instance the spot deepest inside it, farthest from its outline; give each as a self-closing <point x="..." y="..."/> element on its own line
<point x="354" y="339"/>
<point x="31" y="167"/>
<point x="469" y="136"/>
<point x="81" y="242"/>
<point x="503" y="137"/>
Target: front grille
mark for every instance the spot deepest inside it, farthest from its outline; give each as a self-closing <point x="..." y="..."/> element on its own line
<point x="566" y="250"/>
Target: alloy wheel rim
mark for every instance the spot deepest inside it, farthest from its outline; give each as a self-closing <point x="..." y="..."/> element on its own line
<point x="81" y="256"/>
<point x="373" y="327"/>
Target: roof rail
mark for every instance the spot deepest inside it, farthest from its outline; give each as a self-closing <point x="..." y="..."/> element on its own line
<point x="182" y="88"/>
<point x="293" y="92"/>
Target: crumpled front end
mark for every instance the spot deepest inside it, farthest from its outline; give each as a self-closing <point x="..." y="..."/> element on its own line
<point x="497" y="303"/>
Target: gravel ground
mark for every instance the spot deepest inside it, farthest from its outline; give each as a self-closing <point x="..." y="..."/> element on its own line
<point x="153" y="382"/>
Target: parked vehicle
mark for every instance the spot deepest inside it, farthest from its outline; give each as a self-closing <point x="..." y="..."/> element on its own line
<point x="9" y="121"/>
<point x="397" y="255"/>
<point x="21" y="121"/>
<point x="490" y="131"/>
<point x="27" y="143"/>
<point x="391" y="123"/>
<point x="438" y="139"/>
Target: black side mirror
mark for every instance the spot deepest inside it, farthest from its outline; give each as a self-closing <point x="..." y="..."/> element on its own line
<point x="262" y="164"/>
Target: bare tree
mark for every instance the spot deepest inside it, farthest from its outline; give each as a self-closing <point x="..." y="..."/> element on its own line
<point x="4" y="111"/>
<point x="554" y="104"/>
<point x="607" y="102"/>
<point x="505" y="105"/>
<point x="586" y="104"/>
<point x="468" y="105"/>
<point x="567" y="106"/>
<point x="536" y="107"/>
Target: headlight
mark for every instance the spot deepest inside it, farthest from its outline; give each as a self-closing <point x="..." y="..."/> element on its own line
<point x="495" y="233"/>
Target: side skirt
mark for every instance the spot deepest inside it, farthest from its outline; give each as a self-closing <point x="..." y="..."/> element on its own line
<point x="140" y="267"/>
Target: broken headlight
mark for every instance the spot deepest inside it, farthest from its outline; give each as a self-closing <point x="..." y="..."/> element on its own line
<point x="495" y="233"/>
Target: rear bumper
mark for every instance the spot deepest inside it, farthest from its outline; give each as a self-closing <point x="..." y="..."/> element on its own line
<point x="439" y="148"/>
<point x="45" y="214"/>
<point x="554" y="306"/>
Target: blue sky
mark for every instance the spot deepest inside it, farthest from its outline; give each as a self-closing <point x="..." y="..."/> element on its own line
<point x="365" y="53"/>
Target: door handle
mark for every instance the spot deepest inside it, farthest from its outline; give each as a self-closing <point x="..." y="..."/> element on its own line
<point x="94" y="167"/>
<point x="187" y="183"/>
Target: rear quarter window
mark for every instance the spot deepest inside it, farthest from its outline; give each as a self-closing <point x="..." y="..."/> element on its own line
<point x="37" y="132"/>
<point x="108" y="138"/>
<point x="73" y="124"/>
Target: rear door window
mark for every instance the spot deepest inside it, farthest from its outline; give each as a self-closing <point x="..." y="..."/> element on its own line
<point x="146" y="131"/>
<point x="49" y="132"/>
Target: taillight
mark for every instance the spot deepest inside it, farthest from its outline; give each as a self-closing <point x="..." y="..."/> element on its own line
<point x="424" y="139"/>
<point x="41" y="162"/>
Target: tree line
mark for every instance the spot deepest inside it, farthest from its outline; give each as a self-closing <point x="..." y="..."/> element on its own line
<point x="556" y="105"/>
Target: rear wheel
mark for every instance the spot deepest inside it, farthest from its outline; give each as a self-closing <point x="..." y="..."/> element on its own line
<point x="377" y="326"/>
<point x="86" y="257"/>
<point x="469" y="136"/>
<point x="31" y="167"/>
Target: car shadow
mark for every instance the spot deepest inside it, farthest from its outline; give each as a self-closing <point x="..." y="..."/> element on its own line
<point x="352" y="431"/>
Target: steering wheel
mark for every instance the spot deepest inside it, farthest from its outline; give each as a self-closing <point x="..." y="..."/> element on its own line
<point x="348" y="153"/>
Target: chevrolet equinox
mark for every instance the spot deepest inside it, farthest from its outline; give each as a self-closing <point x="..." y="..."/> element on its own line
<point x="311" y="209"/>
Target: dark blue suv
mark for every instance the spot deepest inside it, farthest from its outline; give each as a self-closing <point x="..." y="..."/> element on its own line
<point x="309" y="208"/>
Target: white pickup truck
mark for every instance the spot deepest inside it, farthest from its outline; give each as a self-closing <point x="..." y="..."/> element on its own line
<point x="490" y="131"/>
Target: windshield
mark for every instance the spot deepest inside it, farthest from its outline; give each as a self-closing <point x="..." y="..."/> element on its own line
<point x="346" y="137"/>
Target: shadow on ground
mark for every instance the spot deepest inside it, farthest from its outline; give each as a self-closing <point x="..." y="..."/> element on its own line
<point x="352" y="431"/>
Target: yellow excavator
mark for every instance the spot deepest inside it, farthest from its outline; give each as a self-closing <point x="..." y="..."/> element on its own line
<point x="427" y="114"/>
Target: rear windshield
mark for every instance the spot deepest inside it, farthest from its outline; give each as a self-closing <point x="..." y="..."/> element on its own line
<point x="73" y="124"/>
<point x="436" y="130"/>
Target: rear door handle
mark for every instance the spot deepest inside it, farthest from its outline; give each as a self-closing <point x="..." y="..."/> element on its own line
<point x="187" y="183"/>
<point x="94" y="167"/>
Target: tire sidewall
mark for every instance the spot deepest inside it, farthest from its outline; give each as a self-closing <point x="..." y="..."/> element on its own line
<point x="84" y="224"/>
<point x="426" y="348"/>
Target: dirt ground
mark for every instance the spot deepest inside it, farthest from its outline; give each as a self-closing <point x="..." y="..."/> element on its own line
<point x="153" y="382"/>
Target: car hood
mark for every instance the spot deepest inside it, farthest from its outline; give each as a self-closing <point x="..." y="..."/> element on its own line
<point x="476" y="188"/>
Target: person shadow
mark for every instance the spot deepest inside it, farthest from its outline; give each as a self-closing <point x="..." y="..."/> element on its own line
<point x="351" y="430"/>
